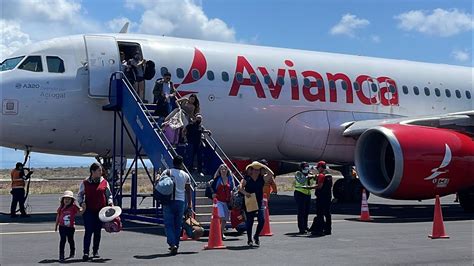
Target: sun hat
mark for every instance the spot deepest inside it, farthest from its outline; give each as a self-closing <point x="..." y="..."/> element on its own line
<point x="109" y="213"/>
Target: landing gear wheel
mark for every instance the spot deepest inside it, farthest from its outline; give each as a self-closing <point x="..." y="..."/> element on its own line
<point x="466" y="199"/>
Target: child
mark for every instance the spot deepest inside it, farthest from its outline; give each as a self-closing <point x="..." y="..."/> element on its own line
<point x="65" y="219"/>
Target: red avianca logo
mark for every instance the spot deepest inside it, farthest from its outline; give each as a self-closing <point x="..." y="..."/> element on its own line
<point x="378" y="90"/>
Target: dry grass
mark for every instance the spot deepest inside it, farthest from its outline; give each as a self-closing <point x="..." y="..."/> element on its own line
<point x="61" y="179"/>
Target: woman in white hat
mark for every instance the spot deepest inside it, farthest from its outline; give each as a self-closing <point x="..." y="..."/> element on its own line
<point x="253" y="183"/>
<point x="66" y="215"/>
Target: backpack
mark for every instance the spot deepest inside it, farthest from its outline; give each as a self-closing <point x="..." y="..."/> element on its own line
<point x="165" y="188"/>
<point x="149" y="70"/>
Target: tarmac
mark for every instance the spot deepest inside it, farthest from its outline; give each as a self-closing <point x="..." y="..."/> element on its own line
<point x="398" y="235"/>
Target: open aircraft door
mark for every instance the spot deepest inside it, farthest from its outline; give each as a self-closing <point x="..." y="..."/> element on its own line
<point x="103" y="59"/>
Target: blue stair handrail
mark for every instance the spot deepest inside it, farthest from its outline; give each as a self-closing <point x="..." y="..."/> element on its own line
<point x="157" y="147"/>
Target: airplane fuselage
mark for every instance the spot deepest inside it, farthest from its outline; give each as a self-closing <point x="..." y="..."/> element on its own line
<point x="259" y="102"/>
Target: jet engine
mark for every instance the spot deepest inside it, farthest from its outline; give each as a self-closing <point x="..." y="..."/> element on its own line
<point x="401" y="161"/>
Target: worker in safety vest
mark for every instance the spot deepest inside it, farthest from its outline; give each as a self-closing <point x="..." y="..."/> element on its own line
<point x="303" y="183"/>
<point x="18" y="189"/>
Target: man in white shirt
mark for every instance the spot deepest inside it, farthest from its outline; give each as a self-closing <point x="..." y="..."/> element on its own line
<point x="173" y="211"/>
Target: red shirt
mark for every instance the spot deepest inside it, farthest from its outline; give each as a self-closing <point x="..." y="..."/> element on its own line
<point x="67" y="215"/>
<point x="223" y="191"/>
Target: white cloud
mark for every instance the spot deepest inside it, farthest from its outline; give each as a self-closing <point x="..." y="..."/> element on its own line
<point x="440" y="22"/>
<point x="41" y="10"/>
<point x="461" y="55"/>
<point x="348" y="24"/>
<point x="11" y="37"/>
<point x="375" y="38"/>
<point x="184" y="18"/>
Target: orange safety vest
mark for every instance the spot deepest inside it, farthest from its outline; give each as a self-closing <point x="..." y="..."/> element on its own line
<point x="17" y="181"/>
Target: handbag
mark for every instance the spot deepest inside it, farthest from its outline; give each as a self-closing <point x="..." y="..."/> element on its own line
<point x="251" y="203"/>
<point x="236" y="200"/>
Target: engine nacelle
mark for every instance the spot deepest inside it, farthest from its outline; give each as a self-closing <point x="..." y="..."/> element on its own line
<point x="414" y="162"/>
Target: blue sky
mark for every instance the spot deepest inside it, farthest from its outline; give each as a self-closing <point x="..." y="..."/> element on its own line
<point x="421" y="30"/>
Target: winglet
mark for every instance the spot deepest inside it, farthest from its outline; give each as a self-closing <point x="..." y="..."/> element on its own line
<point x="124" y="28"/>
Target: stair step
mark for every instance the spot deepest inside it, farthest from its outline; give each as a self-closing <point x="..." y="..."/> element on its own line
<point x="203" y="201"/>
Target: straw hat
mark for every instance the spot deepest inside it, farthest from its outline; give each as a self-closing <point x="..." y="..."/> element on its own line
<point x="258" y="166"/>
<point x="109" y="213"/>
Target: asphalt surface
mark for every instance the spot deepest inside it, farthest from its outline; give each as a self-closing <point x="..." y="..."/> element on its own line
<point x="397" y="236"/>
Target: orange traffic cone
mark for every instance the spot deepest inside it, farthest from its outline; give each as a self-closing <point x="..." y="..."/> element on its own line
<point x="438" y="225"/>
<point x="215" y="234"/>
<point x="364" y="209"/>
<point x="266" y="231"/>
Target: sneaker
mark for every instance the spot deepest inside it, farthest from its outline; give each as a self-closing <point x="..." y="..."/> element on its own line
<point x="85" y="257"/>
<point x="72" y="254"/>
<point x="250" y="243"/>
<point x="96" y="255"/>
<point x="61" y="259"/>
<point x="223" y="237"/>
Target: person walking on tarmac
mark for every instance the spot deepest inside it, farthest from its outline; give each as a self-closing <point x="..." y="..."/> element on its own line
<point x="303" y="184"/>
<point x="323" y="202"/>
<point x="18" y="189"/>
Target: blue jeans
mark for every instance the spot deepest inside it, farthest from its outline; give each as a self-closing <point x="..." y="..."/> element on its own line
<point x="173" y="215"/>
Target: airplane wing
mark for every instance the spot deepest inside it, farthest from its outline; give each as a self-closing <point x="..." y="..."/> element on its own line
<point x="460" y="121"/>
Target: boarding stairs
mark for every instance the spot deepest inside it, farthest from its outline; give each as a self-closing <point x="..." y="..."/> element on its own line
<point x="150" y="141"/>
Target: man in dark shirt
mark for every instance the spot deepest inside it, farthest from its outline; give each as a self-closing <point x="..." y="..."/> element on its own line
<point x="193" y="133"/>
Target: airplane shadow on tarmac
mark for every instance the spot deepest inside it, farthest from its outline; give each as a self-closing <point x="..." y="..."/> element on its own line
<point x="380" y="213"/>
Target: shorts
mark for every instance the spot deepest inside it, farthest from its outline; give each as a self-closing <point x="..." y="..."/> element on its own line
<point x="223" y="210"/>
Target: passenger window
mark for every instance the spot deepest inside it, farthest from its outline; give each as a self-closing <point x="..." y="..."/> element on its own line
<point x="437" y="92"/>
<point x="55" y="64"/>
<point x="253" y="78"/>
<point x="320" y="83"/>
<point x="374" y="87"/>
<point x="405" y="89"/>
<point x="344" y="85"/>
<point x="281" y="81"/>
<point x="225" y="76"/>
<point x="164" y="70"/>
<point x="195" y="73"/>
<point x="239" y="77"/>
<point x="307" y="82"/>
<point x="416" y="90"/>
<point x="392" y="88"/>
<point x="210" y="75"/>
<point x="427" y="91"/>
<point x="448" y="93"/>
<point x="294" y="82"/>
<point x="32" y="63"/>
<point x="180" y="73"/>
<point x="356" y="86"/>
<point x="267" y="79"/>
<point x="458" y="94"/>
<point x="468" y="94"/>
<point x="332" y="84"/>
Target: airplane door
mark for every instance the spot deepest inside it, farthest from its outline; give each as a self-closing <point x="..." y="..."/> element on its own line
<point x="103" y="59"/>
<point x="305" y="135"/>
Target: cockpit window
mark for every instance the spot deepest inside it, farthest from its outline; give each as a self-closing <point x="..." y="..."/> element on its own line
<point x="55" y="64"/>
<point x="32" y="63"/>
<point x="10" y="63"/>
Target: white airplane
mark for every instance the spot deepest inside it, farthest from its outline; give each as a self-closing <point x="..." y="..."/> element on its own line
<point x="395" y="119"/>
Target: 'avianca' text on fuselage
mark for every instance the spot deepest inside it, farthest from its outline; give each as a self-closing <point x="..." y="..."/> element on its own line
<point x="380" y="90"/>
